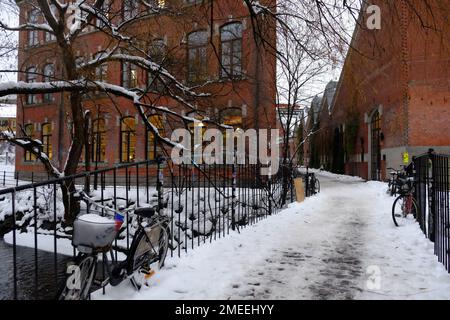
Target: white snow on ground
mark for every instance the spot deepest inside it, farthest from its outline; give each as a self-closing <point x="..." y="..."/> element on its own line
<point x="341" y="244"/>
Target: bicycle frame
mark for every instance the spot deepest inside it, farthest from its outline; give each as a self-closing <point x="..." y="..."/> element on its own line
<point x="126" y="268"/>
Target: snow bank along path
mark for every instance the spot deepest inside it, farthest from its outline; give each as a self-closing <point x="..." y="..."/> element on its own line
<point x="341" y="244"/>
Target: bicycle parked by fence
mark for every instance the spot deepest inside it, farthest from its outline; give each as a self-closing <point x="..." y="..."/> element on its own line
<point x="393" y="181"/>
<point x="94" y="235"/>
<point x="405" y="208"/>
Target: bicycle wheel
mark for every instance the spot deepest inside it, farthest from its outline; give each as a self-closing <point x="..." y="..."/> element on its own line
<point x="317" y="186"/>
<point x="404" y="210"/>
<point x="149" y="250"/>
<point x="78" y="284"/>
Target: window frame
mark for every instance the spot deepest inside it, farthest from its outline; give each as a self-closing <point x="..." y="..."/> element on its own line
<point x="197" y="71"/>
<point x="126" y="79"/>
<point x="151" y="144"/>
<point x="98" y="141"/>
<point x="48" y="97"/>
<point x="31" y="77"/>
<point x="231" y="73"/>
<point x="157" y="52"/>
<point x="28" y="156"/>
<point x="47" y="146"/>
<point x="33" y="35"/>
<point x="101" y="71"/>
<point x="130" y="135"/>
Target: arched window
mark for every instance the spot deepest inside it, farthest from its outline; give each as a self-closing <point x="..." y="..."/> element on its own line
<point x="231" y="49"/>
<point x="47" y="139"/>
<point x="197" y="56"/>
<point x="29" y="132"/>
<point x="98" y="142"/>
<point x="33" y="35"/>
<point x="31" y="77"/>
<point x="128" y="139"/>
<point x="152" y="148"/>
<point x="49" y="74"/>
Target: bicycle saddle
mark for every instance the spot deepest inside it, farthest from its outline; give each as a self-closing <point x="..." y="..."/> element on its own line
<point x="145" y="212"/>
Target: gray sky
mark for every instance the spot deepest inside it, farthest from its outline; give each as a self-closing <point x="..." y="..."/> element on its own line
<point x="9" y="16"/>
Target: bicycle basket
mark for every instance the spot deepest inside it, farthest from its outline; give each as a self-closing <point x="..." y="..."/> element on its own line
<point x="94" y="231"/>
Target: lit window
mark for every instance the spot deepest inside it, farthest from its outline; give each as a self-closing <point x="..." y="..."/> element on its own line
<point x="128" y="139"/>
<point x="231" y="117"/>
<point x="98" y="140"/>
<point x="152" y="148"/>
<point x="129" y="75"/>
<point x="29" y="132"/>
<point x="231" y="58"/>
<point x="197" y="56"/>
<point x="46" y="139"/>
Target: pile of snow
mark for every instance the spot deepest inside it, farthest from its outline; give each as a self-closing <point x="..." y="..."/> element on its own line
<point x="330" y="175"/>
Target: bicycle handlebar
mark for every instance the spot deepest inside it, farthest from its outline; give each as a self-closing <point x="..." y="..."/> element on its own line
<point x="86" y="198"/>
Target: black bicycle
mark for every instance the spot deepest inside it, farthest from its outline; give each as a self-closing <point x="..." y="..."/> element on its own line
<point x="94" y="235"/>
<point x="312" y="184"/>
<point x="405" y="208"/>
<point x="393" y="184"/>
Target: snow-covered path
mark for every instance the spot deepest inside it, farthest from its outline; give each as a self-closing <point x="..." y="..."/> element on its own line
<point x="339" y="245"/>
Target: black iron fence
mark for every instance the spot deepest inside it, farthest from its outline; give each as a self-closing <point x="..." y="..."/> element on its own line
<point x="432" y="192"/>
<point x="204" y="202"/>
<point x="16" y="178"/>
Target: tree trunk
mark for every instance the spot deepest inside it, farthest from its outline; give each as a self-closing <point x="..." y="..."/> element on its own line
<point x="71" y="205"/>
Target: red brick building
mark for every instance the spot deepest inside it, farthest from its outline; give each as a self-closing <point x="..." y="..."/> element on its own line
<point x="198" y="45"/>
<point x="393" y="98"/>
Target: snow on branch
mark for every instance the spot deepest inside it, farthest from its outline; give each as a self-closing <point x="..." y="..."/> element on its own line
<point x="148" y="65"/>
<point x="28" y="27"/>
<point x="35" y="147"/>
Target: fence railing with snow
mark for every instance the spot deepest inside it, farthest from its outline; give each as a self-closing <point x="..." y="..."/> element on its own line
<point x="203" y="202"/>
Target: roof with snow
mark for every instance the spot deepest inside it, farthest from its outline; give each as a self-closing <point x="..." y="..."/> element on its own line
<point x="8" y="111"/>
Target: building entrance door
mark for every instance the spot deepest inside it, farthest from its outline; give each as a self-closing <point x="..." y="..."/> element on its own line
<point x="376" y="147"/>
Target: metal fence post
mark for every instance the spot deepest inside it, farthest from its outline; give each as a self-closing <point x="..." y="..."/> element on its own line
<point x="159" y="183"/>
<point x="233" y="194"/>
<point x="432" y="214"/>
